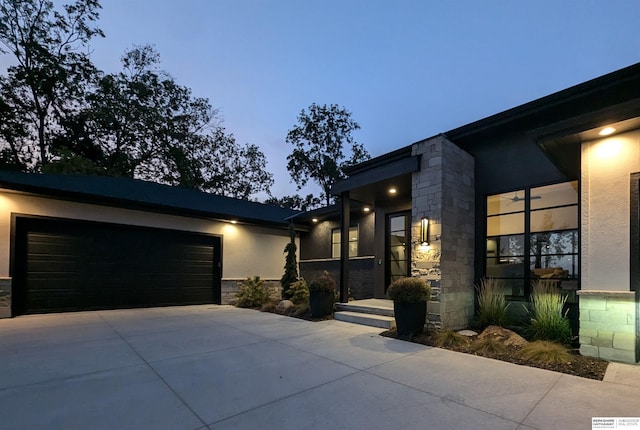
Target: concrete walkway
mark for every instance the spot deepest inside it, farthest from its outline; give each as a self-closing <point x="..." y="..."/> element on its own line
<point x="217" y="367"/>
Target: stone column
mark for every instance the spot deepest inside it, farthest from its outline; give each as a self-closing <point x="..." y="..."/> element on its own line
<point x="443" y="192"/>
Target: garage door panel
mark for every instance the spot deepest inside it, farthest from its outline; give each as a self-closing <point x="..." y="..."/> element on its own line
<point x="64" y="265"/>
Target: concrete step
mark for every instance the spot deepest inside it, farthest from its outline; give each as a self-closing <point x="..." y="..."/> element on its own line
<point x="382" y="321"/>
<point x="366" y="309"/>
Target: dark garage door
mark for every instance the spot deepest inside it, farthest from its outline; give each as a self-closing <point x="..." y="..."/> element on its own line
<point x="64" y="265"/>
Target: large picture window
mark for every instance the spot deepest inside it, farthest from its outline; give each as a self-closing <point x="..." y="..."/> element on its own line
<point x="353" y="242"/>
<point x="533" y="234"/>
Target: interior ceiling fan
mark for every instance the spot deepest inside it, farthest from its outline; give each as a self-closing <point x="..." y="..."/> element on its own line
<point x="516" y="198"/>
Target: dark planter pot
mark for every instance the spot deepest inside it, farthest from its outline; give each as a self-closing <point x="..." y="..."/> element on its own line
<point x="410" y="317"/>
<point x="321" y="303"/>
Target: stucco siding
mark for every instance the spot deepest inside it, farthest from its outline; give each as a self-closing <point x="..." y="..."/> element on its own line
<point x="247" y="250"/>
<point x="605" y="198"/>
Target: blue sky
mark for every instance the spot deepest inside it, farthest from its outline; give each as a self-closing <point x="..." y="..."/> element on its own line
<point x="405" y="69"/>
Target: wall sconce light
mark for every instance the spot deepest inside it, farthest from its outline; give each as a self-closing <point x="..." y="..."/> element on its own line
<point x="424" y="231"/>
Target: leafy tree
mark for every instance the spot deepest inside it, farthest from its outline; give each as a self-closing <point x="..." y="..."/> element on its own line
<point x="296" y="202"/>
<point x="319" y="141"/>
<point x="51" y="70"/>
<point x="291" y="265"/>
<point x="59" y="114"/>
<point x="141" y="123"/>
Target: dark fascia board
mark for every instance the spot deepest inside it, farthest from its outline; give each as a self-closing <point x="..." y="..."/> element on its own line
<point x="155" y="197"/>
<point x="627" y="76"/>
<point x="398" y="167"/>
<point x="590" y="120"/>
<point x="381" y="160"/>
<point x="325" y="212"/>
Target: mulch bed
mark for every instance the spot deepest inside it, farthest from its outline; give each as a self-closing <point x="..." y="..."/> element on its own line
<point x="585" y="367"/>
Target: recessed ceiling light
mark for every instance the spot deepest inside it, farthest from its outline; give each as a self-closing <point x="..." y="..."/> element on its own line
<point x="314" y="219"/>
<point x="607" y="131"/>
<point x="366" y="209"/>
<point x="392" y="190"/>
<point x="233" y="221"/>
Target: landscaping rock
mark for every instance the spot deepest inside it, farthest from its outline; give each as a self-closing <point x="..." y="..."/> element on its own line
<point x="468" y="333"/>
<point x="507" y="337"/>
<point x="284" y="306"/>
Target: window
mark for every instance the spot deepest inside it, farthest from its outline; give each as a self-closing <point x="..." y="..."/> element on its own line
<point x="353" y="242"/>
<point x="533" y="234"/>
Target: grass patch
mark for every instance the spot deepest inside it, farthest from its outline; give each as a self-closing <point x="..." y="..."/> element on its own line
<point x="547" y="352"/>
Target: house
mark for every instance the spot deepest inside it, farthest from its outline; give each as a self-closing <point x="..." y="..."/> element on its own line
<point x="82" y="243"/>
<point x="549" y="189"/>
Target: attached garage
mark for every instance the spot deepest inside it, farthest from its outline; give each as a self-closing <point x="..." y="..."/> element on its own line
<point x="70" y="243"/>
<point x="67" y="265"/>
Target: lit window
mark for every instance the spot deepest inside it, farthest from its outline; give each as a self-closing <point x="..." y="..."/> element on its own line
<point x="545" y="247"/>
<point x="353" y="242"/>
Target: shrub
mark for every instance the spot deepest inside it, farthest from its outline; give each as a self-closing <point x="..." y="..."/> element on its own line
<point x="492" y="307"/>
<point x="291" y="266"/>
<point x="544" y="351"/>
<point x="269" y="306"/>
<point x="488" y="345"/>
<point x="299" y="292"/>
<point x="409" y="290"/>
<point x="324" y="283"/>
<point x="450" y="339"/>
<point x="547" y="320"/>
<point x="252" y="293"/>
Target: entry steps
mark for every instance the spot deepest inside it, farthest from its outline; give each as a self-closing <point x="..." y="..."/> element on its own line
<point x="371" y="312"/>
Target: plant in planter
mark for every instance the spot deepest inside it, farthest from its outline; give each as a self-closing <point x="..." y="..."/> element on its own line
<point x="322" y="295"/>
<point x="409" y="297"/>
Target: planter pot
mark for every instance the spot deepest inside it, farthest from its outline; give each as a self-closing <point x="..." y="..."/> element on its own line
<point x="410" y="317"/>
<point x="321" y="303"/>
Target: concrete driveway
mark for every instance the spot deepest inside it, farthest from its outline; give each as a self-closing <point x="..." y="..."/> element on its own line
<point x="217" y="367"/>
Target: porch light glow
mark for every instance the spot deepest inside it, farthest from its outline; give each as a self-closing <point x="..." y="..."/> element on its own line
<point x="424" y="231"/>
<point x="233" y="221"/>
<point x="607" y="131"/>
<point x="392" y="190"/>
<point x="314" y="219"/>
<point x="366" y="209"/>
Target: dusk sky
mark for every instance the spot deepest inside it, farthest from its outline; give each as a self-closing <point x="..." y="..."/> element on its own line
<point x="405" y="69"/>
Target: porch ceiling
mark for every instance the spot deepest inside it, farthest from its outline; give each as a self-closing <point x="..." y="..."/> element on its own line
<point x="371" y="186"/>
<point x="377" y="193"/>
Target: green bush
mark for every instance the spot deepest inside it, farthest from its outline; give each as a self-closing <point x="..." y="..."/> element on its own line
<point x="547" y="320"/>
<point x="409" y="290"/>
<point x="252" y="293"/>
<point x="451" y="339"/>
<point x="492" y="307"/>
<point x="547" y="352"/>
<point x="299" y="292"/>
<point x="324" y="283"/>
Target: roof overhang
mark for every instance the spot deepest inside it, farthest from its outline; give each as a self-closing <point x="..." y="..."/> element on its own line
<point x="561" y="141"/>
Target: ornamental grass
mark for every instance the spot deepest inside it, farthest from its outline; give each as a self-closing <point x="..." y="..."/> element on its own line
<point x="492" y="306"/>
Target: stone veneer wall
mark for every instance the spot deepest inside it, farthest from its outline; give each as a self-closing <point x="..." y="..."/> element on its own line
<point x="443" y="191"/>
<point x="5" y="297"/>
<point x="608" y="325"/>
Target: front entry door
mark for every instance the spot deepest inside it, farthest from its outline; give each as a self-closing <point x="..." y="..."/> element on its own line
<point x="398" y="245"/>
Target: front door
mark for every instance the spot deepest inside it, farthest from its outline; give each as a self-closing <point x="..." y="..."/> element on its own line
<point x="398" y="245"/>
